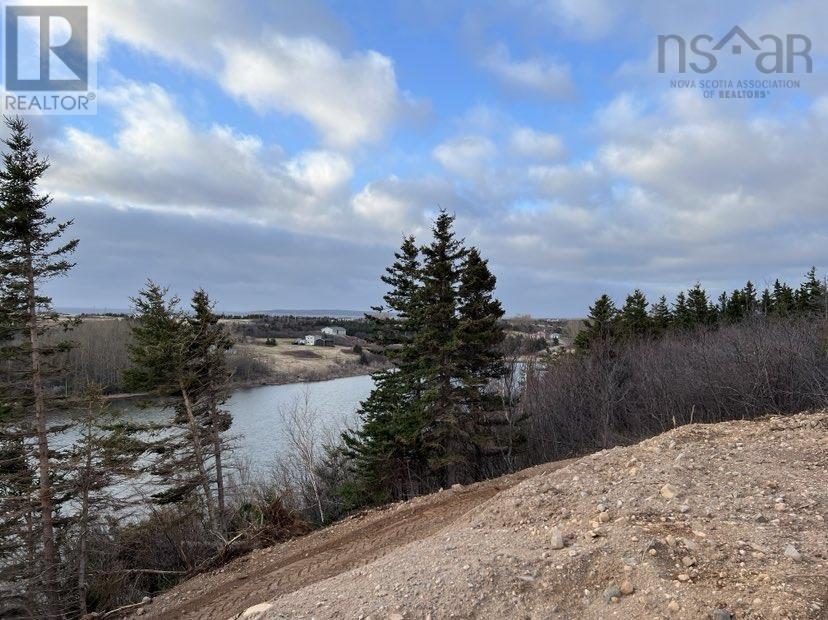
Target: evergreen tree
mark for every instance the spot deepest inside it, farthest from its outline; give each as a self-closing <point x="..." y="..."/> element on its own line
<point x="386" y="452"/>
<point x="438" y="346"/>
<point x="209" y="345"/>
<point x="784" y="303"/>
<point x="31" y="253"/>
<point x="481" y="359"/>
<point x="600" y="325"/>
<point x="633" y="318"/>
<point x="751" y="304"/>
<point x="429" y="421"/>
<point x="699" y="306"/>
<point x="766" y="305"/>
<point x="164" y="361"/>
<point x="682" y="316"/>
<point x="660" y="315"/>
<point x="811" y="294"/>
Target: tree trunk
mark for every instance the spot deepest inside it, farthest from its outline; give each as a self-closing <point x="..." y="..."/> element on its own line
<point x="50" y="576"/>
<point x="199" y="455"/>
<point x="214" y="423"/>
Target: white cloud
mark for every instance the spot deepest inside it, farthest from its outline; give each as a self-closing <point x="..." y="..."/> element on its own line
<point x="526" y="142"/>
<point x="159" y="160"/>
<point x="349" y="99"/>
<point x="465" y="156"/>
<point x="537" y="75"/>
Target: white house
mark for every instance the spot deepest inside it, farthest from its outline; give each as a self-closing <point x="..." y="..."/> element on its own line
<point x="334" y="330"/>
<point x="311" y="340"/>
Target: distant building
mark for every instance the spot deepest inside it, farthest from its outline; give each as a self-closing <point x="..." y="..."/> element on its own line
<point x="318" y="341"/>
<point x="334" y="330"/>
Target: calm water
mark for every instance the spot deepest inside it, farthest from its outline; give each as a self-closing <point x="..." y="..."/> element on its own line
<point x="257" y="420"/>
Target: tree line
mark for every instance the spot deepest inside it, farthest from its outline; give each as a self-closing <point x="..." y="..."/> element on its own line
<point x="636" y="318"/>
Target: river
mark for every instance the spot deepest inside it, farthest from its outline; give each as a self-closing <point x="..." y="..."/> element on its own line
<point x="257" y="432"/>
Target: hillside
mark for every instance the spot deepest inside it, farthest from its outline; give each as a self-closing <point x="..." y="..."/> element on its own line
<point x="703" y="521"/>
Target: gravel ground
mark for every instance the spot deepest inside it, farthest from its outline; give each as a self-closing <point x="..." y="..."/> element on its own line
<point x="701" y="522"/>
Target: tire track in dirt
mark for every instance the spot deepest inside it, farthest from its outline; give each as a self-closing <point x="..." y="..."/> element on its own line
<point x="325" y="553"/>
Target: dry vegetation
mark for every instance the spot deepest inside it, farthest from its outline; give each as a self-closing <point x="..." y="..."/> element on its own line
<point x="288" y="362"/>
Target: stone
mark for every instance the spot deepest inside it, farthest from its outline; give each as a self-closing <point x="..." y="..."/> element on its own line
<point x="604" y="517"/>
<point x="688" y="561"/>
<point x="257" y="611"/>
<point x="684" y="577"/>
<point x="668" y="491"/>
<point x="793" y="553"/>
<point x="612" y="592"/>
<point x="684" y="508"/>
<point x="396" y="616"/>
<point x="721" y="614"/>
<point x="556" y="540"/>
<point x="146" y="600"/>
<point x="673" y="605"/>
<point x="779" y="506"/>
<point x="627" y="587"/>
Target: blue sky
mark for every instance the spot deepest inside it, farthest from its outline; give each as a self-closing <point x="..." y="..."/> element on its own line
<point x="275" y="152"/>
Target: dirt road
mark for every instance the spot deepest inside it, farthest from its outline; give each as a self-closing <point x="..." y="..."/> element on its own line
<point x="353" y="543"/>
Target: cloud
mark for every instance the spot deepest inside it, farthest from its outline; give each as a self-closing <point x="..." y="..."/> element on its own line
<point x="158" y="160"/>
<point x="526" y="142"/>
<point x="532" y="75"/>
<point x="349" y="99"/>
<point x="465" y="156"/>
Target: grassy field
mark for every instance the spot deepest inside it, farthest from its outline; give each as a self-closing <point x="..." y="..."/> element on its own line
<point x="291" y="362"/>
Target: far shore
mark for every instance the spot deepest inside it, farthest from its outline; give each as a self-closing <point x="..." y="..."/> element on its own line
<point x="281" y="379"/>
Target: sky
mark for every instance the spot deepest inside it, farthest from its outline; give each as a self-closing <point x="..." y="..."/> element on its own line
<point x="275" y="153"/>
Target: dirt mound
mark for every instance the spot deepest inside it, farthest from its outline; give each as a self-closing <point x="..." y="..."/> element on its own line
<point x="704" y="521"/>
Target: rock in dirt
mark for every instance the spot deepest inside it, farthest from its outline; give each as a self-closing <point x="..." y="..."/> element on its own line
<point x="612" y="592"/>
<point x="556" y="540"/>
<point x="793" y="553"/>
<point x="668" y="491"/>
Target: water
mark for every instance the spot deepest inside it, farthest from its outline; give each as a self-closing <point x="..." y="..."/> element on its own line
<point x="257" y="431"/>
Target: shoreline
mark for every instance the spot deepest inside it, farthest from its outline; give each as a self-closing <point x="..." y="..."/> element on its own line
<point x="356" y="371"/>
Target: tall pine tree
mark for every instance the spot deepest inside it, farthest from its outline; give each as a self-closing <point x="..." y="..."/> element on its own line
<point x="31" y="253"/>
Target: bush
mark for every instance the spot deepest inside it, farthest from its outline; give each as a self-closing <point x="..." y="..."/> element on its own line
<point x="617" y="395"/>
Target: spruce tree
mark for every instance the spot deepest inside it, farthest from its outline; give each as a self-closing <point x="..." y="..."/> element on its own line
<point x="660" y="315"/>
<point x="209" y="345"/>
<point x="766" y="304"/>
<point x="633" y="318"/>
<point x="811" y="294"/>
<point x="751" y="304"/>
<point x="386" y="452"/>
<point x="699" y="306"/>
<point x="682" y="316"/>
<point x="481" y="358"/>
<point x="31" y="253"/>
<point x="165" y="361"/>
<point x="784" y="302"/>
<point x="601" y="324"/>
<point x="437" y="346"/>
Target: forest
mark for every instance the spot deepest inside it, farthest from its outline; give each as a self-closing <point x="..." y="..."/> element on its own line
<point x="465" y="400"/>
